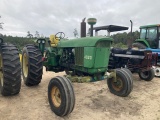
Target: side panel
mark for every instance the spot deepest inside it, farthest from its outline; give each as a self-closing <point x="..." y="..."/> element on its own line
<point x="102" y="57"/>
<point x="89" y="56"/>
<point x="95" y="57"/>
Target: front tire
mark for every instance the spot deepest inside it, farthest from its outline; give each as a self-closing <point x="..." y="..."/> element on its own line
<point x="123" y="84"/>
<point x="61" y="96"/>
<point x="10" y="74"/>
<point x="130" y="76"/>
<point x="147" y="75"/>
<point x="32" y="66"/>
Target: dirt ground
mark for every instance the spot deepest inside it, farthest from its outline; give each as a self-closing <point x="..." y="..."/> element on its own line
<point x="93" y="102"/>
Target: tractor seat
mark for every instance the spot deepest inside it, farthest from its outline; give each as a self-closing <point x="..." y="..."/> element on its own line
<point x="54" y="40"/>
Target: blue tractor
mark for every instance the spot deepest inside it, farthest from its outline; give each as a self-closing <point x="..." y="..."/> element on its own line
<point x="137" y="60"/>
<point x="150" y="39"/>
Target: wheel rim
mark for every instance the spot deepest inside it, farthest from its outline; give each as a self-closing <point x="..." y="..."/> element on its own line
<point x="118" y="85"/>
<point x="25" y="65"/>
<point x="157" y="71"/>
<point x="56" y="96"/>
<point x="20" y="57"/>
<point x="144" y="74"/>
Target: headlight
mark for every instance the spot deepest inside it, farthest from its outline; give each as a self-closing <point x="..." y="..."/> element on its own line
<point x="1" y="40"/>
<point x="39" y="41"/>
<point x="43" y="41"/>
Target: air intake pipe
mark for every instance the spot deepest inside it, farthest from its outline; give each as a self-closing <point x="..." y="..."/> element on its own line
<point x="91" y="22"/>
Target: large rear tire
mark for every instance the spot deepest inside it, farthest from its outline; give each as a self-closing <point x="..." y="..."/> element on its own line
<point x="123" y="85"/>
<point x="32" y="66"/>
<point x="10" y="70"/>
<point x="147" y="75"/>
<point x="61" y="96"/>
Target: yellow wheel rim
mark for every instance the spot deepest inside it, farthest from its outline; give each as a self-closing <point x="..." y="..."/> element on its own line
<point x="118" y="85"/>
<point x="20" y="57"/>
<point x="56" y="96"/>
<point x="1" y="73"/>
<point x="25" y="64"/>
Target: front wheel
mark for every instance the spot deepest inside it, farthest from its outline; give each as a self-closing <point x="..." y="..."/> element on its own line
<point x="123" y="84"/>
<point x="130" y="76"/>
<point x="147" y="75"/>
<point x="61" y="96"/>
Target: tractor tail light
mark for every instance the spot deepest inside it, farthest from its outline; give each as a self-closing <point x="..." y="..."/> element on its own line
<point x="43" y="59"/>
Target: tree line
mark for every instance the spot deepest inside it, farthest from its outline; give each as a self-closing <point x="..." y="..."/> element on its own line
<point x="124" y="37"/>
<point x="120" y="39"/>
<point x="20" y="42"/>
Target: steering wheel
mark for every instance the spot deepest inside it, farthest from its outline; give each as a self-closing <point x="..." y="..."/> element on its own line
<point x="60" y="35"/>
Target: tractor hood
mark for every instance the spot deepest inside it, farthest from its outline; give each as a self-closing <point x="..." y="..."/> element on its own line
<point x="83" y="42"/>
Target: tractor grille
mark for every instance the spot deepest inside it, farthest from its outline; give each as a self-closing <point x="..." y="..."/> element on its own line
<point x="79" y="56"/>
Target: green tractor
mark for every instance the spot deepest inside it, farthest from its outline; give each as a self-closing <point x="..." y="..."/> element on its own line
<point x="84" y="60"/>
<point x="10" y="69"/>
<point x="150" y="39"/>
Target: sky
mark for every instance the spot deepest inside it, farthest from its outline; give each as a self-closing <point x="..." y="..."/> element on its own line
<point x="52" y="16"/>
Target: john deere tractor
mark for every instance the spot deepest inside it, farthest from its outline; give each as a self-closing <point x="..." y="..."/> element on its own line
<point x="10" y="69"/>
<point x="150" y="39"/>
<point x="84" y="60"/>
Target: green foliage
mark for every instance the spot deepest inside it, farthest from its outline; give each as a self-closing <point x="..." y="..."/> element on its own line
<point x="120" y="40"/>
<point x="20" y="42"/>
<point x="125" y="37"/>
<point x="119" y="45"/>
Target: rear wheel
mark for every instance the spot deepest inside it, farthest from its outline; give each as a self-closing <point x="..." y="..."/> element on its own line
<point x="123" y="84"/>
<point x="10" y="70"/>
<point x="61" y="96"/>
<point x="147" y="75"/>
<point x="32" y="65"/>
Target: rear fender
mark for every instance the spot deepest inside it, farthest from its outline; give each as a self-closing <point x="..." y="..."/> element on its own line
<point x="143" y="41"/>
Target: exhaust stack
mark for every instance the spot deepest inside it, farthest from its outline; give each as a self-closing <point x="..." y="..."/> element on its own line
<point x="131" y="25"/>
<point x="83" y="28"/>
<point x="130" y="42"/>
